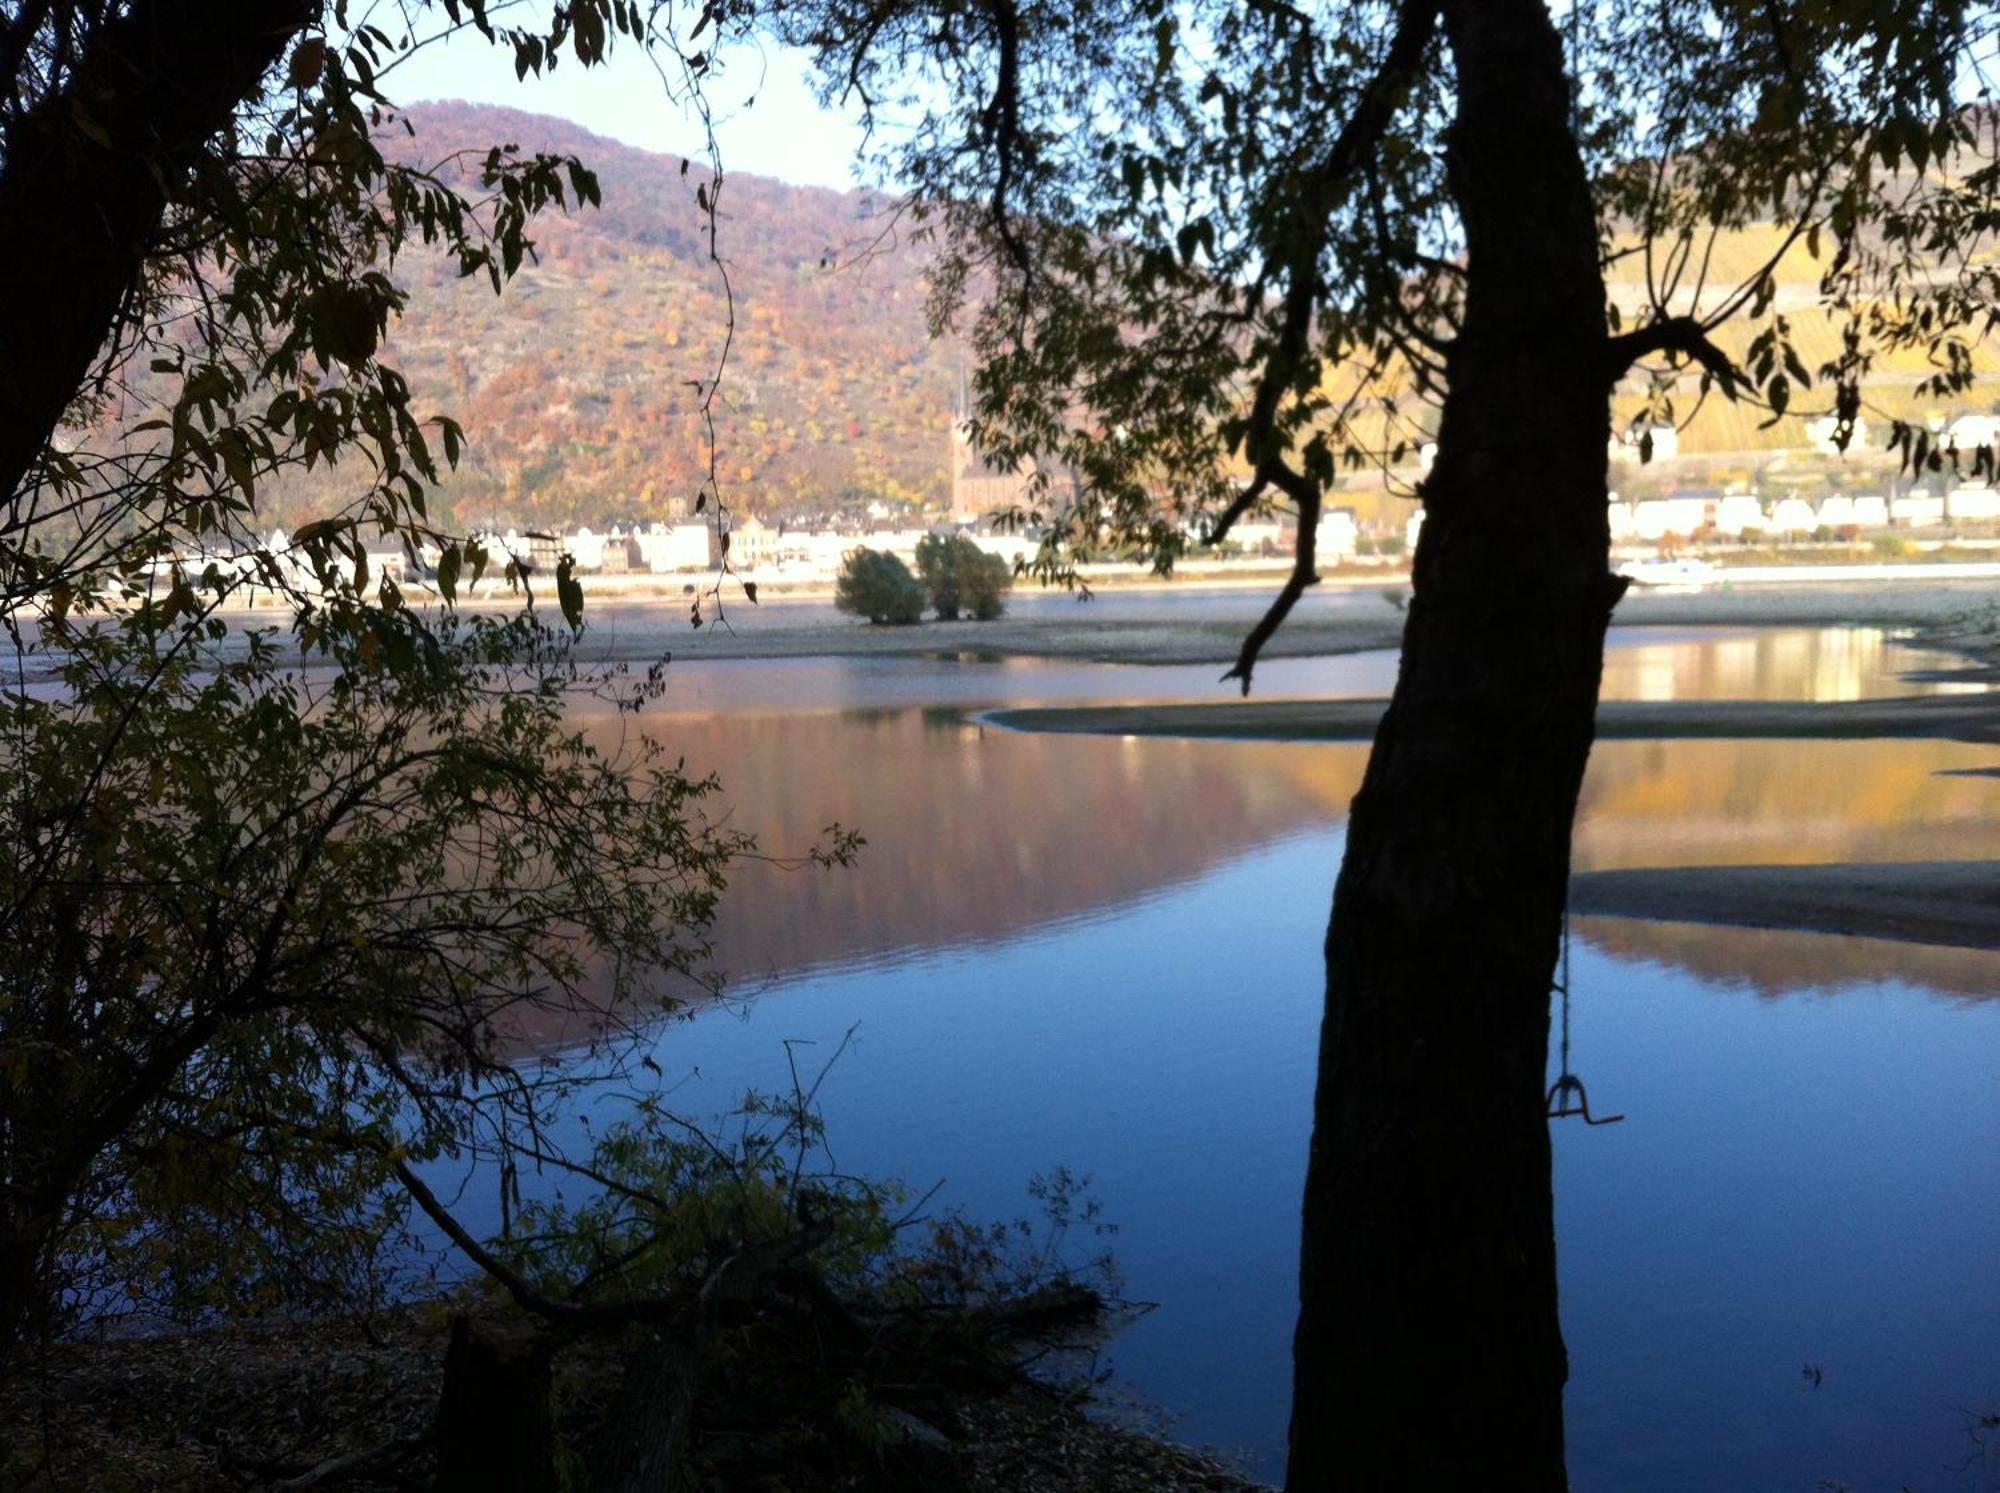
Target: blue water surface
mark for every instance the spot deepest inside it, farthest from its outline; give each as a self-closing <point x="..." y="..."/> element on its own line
<point x="1777" y="1271"/>
<point x="1800" y="1181"/>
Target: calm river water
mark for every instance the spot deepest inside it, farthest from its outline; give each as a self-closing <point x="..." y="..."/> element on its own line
<point x="1105" y="953"/>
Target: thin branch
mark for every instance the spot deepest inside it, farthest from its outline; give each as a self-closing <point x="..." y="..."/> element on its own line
<point x="1677" y="334"/>
<point x="1305" y="493"/>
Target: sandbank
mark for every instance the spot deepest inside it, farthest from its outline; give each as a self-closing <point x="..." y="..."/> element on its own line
<point x="1955" y="903"/>
<point x="1973" y="718"/>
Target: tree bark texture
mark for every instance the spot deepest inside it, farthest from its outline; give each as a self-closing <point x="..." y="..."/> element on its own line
<point x="1428" y="1350"/>
<point x="87" y="179"/>
<point x="496" y="1414"/>
<point x="645" y="1439"/>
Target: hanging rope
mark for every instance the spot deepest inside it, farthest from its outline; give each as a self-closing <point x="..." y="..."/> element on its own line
<point x="1567" y="1097"/>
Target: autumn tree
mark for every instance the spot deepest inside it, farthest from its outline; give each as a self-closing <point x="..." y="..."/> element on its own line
<point x="1214" y="255"/>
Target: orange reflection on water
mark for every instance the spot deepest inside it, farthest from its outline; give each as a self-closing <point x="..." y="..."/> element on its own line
<point x="976" y="833"/>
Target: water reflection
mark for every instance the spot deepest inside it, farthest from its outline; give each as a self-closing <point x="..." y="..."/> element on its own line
<point x="1796" y="1181"/>
<point x="977" y="834"/>
<point x="1105" y="953"/>
<point x="1791" y="663"/>
<point x="1773" y="962"/>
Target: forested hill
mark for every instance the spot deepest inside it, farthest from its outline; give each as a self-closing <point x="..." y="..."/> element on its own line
<point x="573" y="385"/>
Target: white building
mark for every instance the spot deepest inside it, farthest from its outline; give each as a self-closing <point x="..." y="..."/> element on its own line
<point x="1791" y="516"/>
<point x="1972" y="505"/>
<point x="1871" y="511"/>
<point x="1014" y="548"/>
<point x="587" y="548"/>
<point x="902" y="543"/>
<point x="1917" y="510"/>
<point x="1655" y="518"/>
<point x="1628" y="446"/>
<point x="1257" y="536"/>
<point x="665" y="549"/>
<point x="1968" y="431"/>
<point x="1335" y="536"/>
<point x="1738" y="513"/>
<point x="752" y="543"/>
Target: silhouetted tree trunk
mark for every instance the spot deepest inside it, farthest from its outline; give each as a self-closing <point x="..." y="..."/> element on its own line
<point x="87" y="179"/>
<point x="645" y="1438"/>
<point x="496" y="1415"/>
<point x="1428" y="1351"/>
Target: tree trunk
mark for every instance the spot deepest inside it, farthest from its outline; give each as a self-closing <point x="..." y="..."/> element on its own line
<point x="645" y="1438"/>
<point x="87" y="179"/>
<point x="496" y="1415"/>
<point x="1428" y="1351"/>
<point x="20" y="1271"/>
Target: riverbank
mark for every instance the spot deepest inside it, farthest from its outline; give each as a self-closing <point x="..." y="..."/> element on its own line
<point x="1207" y="625"/>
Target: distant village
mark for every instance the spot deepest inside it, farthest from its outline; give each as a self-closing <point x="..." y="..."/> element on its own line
<point x="807" y="557"/>
<point x="1944" y="506"/>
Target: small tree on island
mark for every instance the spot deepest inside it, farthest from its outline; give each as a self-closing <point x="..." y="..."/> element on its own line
<point x="961" y="577"/>
<point x="937" y="567"/>
<point x="876" y="585"/>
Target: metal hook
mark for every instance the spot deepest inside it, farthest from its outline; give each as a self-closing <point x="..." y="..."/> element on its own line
<point x="1559" y="1097"/>
<point x="1558" y="1102"/>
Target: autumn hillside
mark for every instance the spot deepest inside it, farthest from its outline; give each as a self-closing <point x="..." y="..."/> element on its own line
<point x="1891" y="391"/>
<point x="573" y="386"/>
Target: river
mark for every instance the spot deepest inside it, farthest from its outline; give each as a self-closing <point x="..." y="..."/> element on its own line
<point x="1104" y="953"/>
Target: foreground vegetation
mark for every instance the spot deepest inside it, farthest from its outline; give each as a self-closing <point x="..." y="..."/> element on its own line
<point x="723" y="1312"/>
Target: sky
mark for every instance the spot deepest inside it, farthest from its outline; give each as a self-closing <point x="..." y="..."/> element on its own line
<point x="767" y="121"/>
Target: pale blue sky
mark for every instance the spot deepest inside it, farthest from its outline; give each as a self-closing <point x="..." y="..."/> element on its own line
<point x="767" y="120"/>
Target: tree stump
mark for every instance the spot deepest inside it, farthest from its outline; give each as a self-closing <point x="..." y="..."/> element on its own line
<point x="496" y="1416"/>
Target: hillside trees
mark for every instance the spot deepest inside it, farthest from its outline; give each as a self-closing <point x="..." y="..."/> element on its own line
<point x="1234" y="248"/>
<point x="276" y="908"/>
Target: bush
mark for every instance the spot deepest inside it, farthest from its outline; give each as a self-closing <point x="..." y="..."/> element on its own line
<point x="876" y="585"/>
<point x="962" y="577"/>
<point x="984" y="579"/>
<point x="937" y="567"/>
